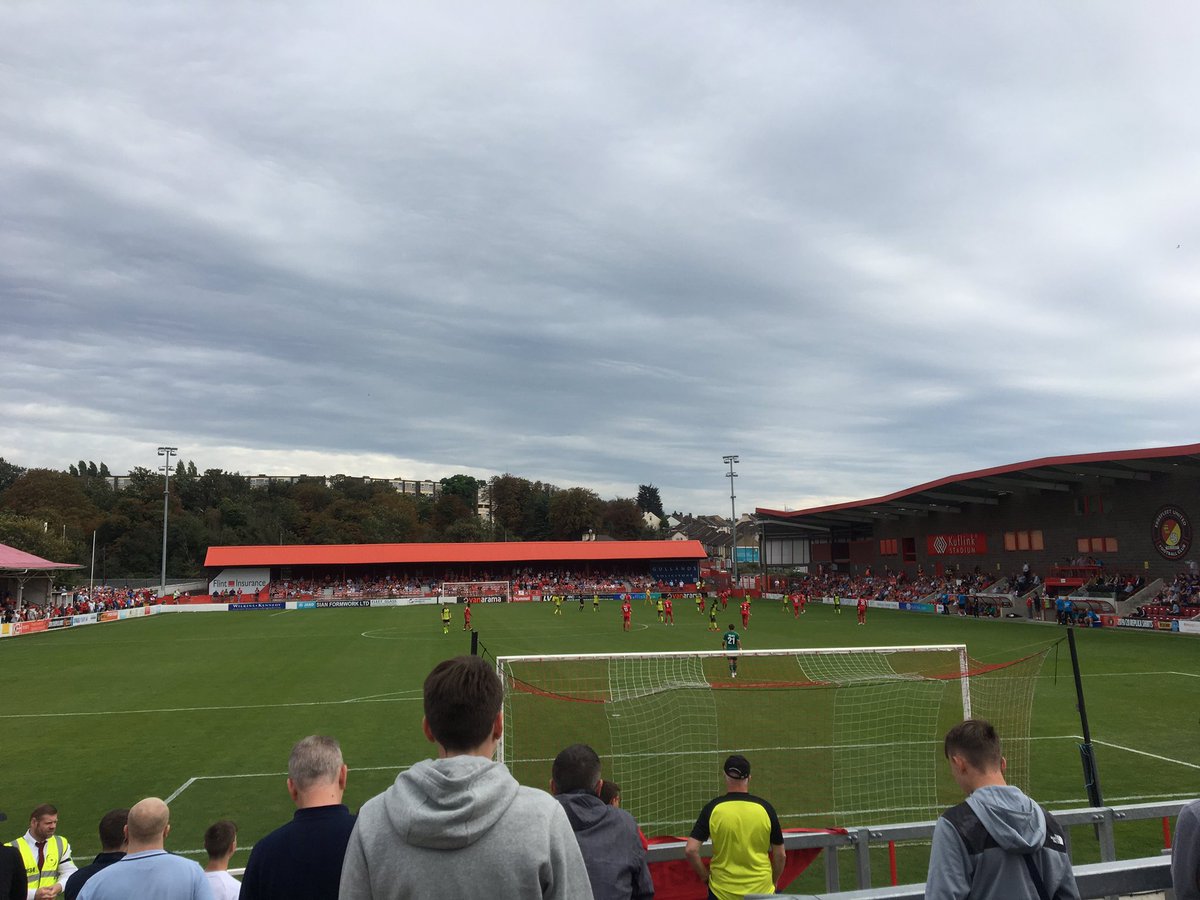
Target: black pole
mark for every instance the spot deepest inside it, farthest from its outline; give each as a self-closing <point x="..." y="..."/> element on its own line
<point x="1091" y="776"/>
<point x="474" y="642"/>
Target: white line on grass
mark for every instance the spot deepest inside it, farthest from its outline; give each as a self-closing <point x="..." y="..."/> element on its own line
<point x="187" y="784"/>
<point x="179" y="709"/>
<point x="1168" y="759"/>
<point x="791" y="748"/>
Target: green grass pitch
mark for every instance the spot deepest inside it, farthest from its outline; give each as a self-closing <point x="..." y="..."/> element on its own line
<point x="205" y="707"/>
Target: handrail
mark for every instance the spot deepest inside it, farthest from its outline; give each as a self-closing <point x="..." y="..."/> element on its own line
<point x="1104" y="879"/>
<point x="862" y="838"/>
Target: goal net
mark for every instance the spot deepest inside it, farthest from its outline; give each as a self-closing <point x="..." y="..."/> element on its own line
<point x="483" y="591"/>
<point x="834" y="736"/>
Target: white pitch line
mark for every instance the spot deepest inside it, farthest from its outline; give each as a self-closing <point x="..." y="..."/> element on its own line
<point x="187" y="784"/>
<point x="789" y="749"/>
<point x="1145" y="753"/>
<point x="179" y="790"/>
<point x="178" y="709"/>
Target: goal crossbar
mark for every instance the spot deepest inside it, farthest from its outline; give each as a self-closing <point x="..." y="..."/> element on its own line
<point x="832" y="728"/>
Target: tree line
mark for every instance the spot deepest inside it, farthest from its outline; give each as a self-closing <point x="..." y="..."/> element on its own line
<point x="54" y="514"/>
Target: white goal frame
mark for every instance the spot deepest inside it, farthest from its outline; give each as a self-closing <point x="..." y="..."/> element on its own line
<point x="456" y="589"/>
<point x="964" y="664"/>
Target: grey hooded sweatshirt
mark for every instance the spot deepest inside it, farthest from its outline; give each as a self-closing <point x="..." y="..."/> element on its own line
<point x="612" y="848"/>
<point x="462" y="827"/>
<point x="980" y="847"/>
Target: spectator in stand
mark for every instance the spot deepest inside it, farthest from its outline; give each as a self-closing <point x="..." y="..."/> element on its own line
<point x="608" y="836"/>
<point x="1185" y="857"/>
<point x="112" y="848"/>
<point x="148" y="871"/>
<point x="220" y="843"/>
<point x="302" y="860"/>
<point x="460" y="825"/>
<point x="45" y="854"/>
<point x="991" y="846"/>
<point x="747" y="840"/>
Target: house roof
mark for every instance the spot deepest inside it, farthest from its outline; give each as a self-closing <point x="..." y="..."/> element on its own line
<point x="505" y="552"/>
<point x="986" y="487"/>
<point x="13" y="559"/>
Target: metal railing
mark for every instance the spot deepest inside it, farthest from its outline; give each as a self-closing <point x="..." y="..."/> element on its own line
<point x="1106" y="878"/>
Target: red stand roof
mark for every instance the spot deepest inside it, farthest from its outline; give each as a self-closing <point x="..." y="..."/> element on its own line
<point x="12" y="558"/>
<point x="505" y="552"/>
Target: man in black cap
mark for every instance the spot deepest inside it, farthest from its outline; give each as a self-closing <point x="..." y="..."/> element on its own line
<point x="747" y="841"/>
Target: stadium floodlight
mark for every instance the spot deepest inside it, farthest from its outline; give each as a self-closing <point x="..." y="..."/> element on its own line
<point x="730" y="460"/>
<point x="836" y="735"/>
<point x="168" y="452"/>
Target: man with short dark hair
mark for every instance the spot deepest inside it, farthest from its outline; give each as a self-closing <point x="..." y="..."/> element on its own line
<point x="302" y="860"/>
<point x="607" y="835"/>
<point x="220" y="843"/>
<point x="460" y="825"/>
<point x="998" y="844"/>
<point x="112" y="848"/>
<point x="45" y="853"/>
<point x="148" y="871"/>
<point x="747" y="839"/>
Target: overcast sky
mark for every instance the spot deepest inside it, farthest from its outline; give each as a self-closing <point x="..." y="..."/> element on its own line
<point x="862" y="245"/>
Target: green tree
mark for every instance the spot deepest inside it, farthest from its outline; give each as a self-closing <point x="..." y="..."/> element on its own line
<point x="510" y="499"/>
<point x="466" y="531"/>
<point x="648" y="500"/>
<point x="622" y="519"/>
<point x="573" y="512"/>
<point x="464" y="486"/>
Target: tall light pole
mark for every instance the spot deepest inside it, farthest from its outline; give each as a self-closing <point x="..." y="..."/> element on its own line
<point x="730" y="460"/>
<point x="168" y="452"/>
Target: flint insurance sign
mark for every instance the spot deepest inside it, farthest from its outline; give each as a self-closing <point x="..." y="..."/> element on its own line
<point x="243" y="580"/>
<point x="956" y="544"/>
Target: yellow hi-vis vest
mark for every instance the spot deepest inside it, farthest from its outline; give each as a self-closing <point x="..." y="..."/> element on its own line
<point x="55" y="847"/>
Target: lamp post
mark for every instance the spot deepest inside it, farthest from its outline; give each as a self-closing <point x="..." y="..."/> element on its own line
<point x="730" y="460"/>
<point x="168" y="452"/>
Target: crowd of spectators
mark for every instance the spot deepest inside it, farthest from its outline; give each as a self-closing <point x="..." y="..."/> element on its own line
<point x="897" y="586"/>
<point x="526" y="580"/>
<point x="100" y="599"/>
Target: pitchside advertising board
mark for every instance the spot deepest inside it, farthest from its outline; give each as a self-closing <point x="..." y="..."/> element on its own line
<point x="243" y="580"/>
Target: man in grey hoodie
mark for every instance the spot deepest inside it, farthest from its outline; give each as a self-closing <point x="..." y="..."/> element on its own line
<point x="999" y="844"/>
<point x="608" y="835"/>
<point x="460" y="825"/>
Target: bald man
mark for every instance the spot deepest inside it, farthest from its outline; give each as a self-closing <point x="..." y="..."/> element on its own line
<point x="148" y="871"/>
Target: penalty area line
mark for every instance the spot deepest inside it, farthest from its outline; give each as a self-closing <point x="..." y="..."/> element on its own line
<point x="187" y="784"/>
<point x="1178" y="762"/>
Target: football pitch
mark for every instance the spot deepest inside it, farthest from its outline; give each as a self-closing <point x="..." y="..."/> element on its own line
<point x="202" y="709"/>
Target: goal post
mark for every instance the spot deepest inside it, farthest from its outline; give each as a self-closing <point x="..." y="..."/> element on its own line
<point x="834" y="735"/>
<point x="481" y="591"/>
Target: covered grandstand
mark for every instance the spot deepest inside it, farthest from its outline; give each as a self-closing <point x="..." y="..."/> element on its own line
<point x="252" y="568"/>
<point x="1122" y="511"/>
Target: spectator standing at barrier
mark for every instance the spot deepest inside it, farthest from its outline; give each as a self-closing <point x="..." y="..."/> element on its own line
<point x="1185" y="857"/>
<point x="747" y="840"/>
<point x="45" y="854"/>
<point x="112" y="848"/>
<point x="148" y="871"/>
<point x="608" y="836"/>
<point x="460" y="825"/>
<point x="302" y="860"/>
<point x="220" y="843"/>
<point x="998" y="844"/>
<point x="12" y="871"/>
